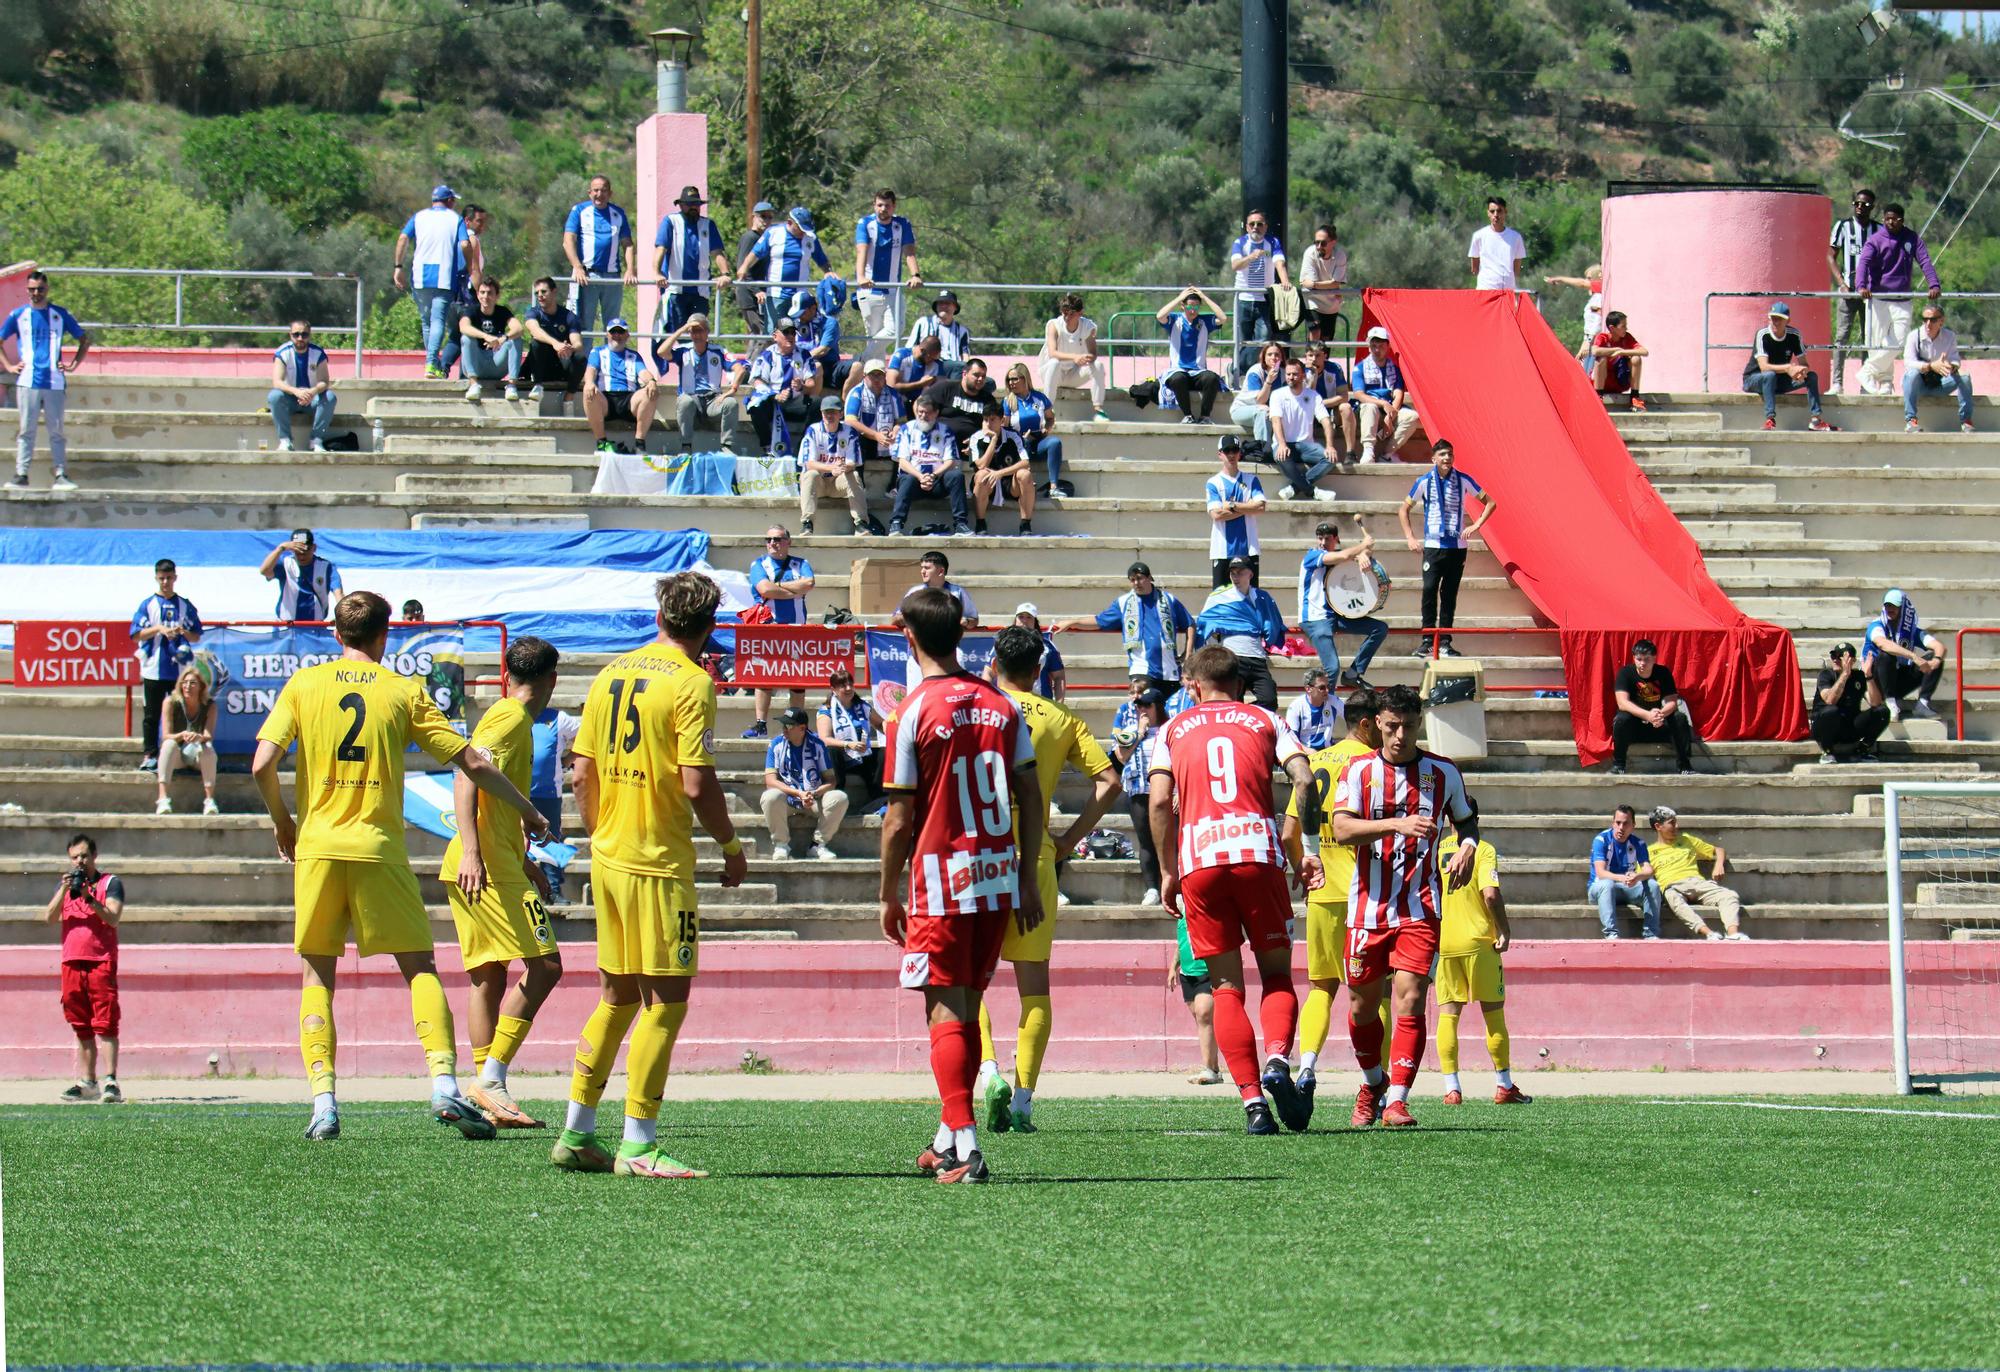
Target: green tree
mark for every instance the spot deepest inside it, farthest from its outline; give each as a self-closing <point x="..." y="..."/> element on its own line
<point x="300" y="162"/>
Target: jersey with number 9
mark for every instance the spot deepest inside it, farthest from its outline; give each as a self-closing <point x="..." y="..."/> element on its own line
<point x="649" y="714"/>
<point x="353" y="722"/>
<point x="1221" y="756"/>
<point x="955" y="742"/>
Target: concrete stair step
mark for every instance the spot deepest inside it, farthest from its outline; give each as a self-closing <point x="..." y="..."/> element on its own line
<point x="477" y="519"/>
<point x="512" y="484"/>
<point x="521" y="443"/>
<point x="1763" y="532"/>
<point x="1746" y="493"/>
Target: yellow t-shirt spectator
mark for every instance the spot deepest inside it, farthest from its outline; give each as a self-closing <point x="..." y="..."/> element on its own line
<point x="1676" y="861"/>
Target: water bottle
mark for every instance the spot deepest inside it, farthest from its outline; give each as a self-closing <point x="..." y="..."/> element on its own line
<point x="378" y="433"/>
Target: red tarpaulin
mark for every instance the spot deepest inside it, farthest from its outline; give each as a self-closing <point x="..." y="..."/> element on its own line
<point x="1579" y="528"/>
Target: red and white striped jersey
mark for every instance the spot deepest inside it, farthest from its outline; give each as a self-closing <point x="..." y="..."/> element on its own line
<point x="955" y="741"/>
<point x="1396" y="878"/>
<point x="1221" y="756"/>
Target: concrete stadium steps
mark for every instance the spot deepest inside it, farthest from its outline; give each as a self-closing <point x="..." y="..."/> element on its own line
<point x="222" y="394"/>
<point x="1732" y="409"/>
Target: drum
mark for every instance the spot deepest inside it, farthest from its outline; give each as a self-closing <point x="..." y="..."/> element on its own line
<point x="1356" y="589"/>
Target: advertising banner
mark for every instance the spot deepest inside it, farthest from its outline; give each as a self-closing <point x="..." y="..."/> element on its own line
<point x="799" y="655"/>
<point x="248" y="667"/>
<point x="48" y="653"/>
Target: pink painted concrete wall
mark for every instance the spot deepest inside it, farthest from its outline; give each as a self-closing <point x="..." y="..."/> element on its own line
<point x="1664" y="252"/>
<point x="830" y="1007"/>
<point x="672" y="151"/>
<point x="180" y="363"/>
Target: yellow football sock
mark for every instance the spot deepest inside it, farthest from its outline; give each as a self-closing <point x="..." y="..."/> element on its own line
<point x="1387" y="1016"/>
<point x="1448" y="1043"/>
<point x="479" y="1055"/>
<point x="432" y="1013"/>
<point x="1497" y="1042"/>
<point x="597" y="1050"/>
<point x="986" y="1049"/>
<point x="1315" y="1017"/>
<point x="508" y="1034"/>
<point x="1037" y="1017"/>
<point x="652" y="1054"/>
<point x="316" y="1040"/>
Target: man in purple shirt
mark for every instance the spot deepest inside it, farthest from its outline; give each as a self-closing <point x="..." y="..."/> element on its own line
<point x="1887" y="265"/>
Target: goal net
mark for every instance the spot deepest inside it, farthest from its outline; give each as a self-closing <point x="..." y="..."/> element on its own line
<point x="1941" y="842"/>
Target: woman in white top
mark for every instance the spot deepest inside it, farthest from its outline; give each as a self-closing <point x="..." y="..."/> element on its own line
<point x="1250" y="407"/>
<point x="1069" y="353"/>
<point x="187" y="736"/>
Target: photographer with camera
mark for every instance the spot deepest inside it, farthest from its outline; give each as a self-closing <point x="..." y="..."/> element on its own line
<point x="1838" y="716"/>
<point x="86" y="907"/>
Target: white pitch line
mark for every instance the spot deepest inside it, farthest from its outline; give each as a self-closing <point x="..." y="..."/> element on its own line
<point x="1835" y="1109"/>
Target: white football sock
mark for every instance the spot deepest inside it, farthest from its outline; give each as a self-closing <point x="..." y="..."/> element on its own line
<point x="641" y="1131"/>
<point x="942" y="1143"/>
<point x="966" y="1142"/>
<point x="444" y="1084"/>
<point x="1024" y="1100"/>
<point x="1506" y="1078"/>
<point x="1308" y="1061"/>
<point x="582" y="1118"/>
<point x="1397" y="1093"/>
<point x="494" y="1073"/>
<point x="1451" y="1081"/>
<point x="1374" y="1076"/>
<point x="323" y="1101"/>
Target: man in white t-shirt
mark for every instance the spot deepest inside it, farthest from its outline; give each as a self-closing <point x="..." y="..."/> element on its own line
<point x="1496" y="250"/>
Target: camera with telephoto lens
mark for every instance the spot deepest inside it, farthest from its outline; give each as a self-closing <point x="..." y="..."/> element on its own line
<point x="77" y="882"/>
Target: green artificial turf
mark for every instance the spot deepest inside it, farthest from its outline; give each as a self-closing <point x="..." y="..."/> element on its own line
<point x="1575" y="1232"/>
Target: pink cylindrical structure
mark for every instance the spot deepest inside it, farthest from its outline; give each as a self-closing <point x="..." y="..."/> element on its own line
<point x="1666" y="250"/>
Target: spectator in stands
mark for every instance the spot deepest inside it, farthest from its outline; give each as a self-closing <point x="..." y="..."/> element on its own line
<point x="1069" y="353"/>
<point x="619" y="383"/>
<point x="300" y="381"/>
<point x="1323" y="276"/>
<point x="782" y="259"/>
<point x="1250" y="403"/>
<point x="1649" y="709"/>
<point x="798" y="780"/>
<point x="750" y="294"/>
<point x="1617" y="359"/>
<point x="1245" y="619"/>
<point x="780" y="582"/>
<point x="1325" y="379"/>
<point x="597" y="241"/>
<point x="87" y="906"/>
<point x="1843" y="263"/>
<point x="874" y="409"/>
<point x="848" y="725"/>
<point x="1381" y="401"/>
<point x="934" y="574"/>
<point x="1838" y="716"/>
<point x="556" y="353"/>
<point x="1777" y="366"/>
<point x="1133" y="746"/>
<point x="1190" y="320"/>
<point x="709" y="381"/>
<point x="554" y="733"/>
<point x="912" y="371"/>
<point x="1442" y="492"/>
<point x="1032" y="414"/>
<point x="830" y="463"/>
<point x="1258" y="259"/>
<point x="1676" y="859"/>
<point x="1497" y="251"/>
<point x="489" y="343"/>
<point x="1155" y="630"/>
<point x="954" y="341"/>
<point x="1931" y="362"/>
<point x="1000" y="470"/>
<point x="308" y="585"/>
<point x="1317" y="617"/>
<point x="1621" y="873"/>
<point x="1298" y="418"/>
<point x="413" y="612"/>
<point x="163" y="626"/>
<point x="1900" y="657"/>
<point x="1051" y="678"/>
<point x="819" y="340"/>
<point x="1591" y="281"/>
<point x="1235" y="498"/>
<point x="781" y="384"/>
<point x="884" y="244"/>
<point x="1315" y="715"/>
<point x="1883" y="272"/>
<point x="962" y="401"/>
<point x="926" y="458"/>
<point x="439" y="247"/>
<point x="37" y="329"/>
<point x="462" y="296"/>
<point x="688" y="248"/>
<point x="185" y="734"/>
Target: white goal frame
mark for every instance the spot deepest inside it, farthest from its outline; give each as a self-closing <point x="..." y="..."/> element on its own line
<point x="1892" y="853"/>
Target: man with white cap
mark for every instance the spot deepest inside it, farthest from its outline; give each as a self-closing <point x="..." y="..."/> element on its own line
<point x="1676" y="867"/>
<point x="783" y="260"/>
<point x="1777" y="366"/>
<point x="1381" y="401"/>
<point x="1899" y="657"/>
<point x="618" y="383"/>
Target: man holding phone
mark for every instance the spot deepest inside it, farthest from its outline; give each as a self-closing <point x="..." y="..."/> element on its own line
<point x="308" y="585"/>
<point x="1839" y="717"/>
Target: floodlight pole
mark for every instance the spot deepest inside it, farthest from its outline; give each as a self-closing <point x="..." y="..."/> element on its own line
<point x="1266" y="25"/>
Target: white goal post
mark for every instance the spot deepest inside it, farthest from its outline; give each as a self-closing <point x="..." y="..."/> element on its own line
<point x="1941" y="849"/>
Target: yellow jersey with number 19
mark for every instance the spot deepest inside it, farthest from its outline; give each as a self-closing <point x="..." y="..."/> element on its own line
<point x="649" y="714"/>
<point x="1337" y="858"/>
<point x="1060" y="738"/>
<point x="353" y="721"/>
<point x="508" y="736"/>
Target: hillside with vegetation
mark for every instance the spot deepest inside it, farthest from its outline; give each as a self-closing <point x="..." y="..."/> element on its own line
<point x="1037" y="140"/>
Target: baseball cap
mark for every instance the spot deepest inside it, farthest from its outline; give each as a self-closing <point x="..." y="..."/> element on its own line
<point x="803" y="299"/>
<point x="691" y="195"/>
<point x="617" y="326"/>
<point x="875" y="364"/>
<point x="829" y="403"/>
<point x="786" y="326"/>
<point x="944" y="298"/>
<point x="801" y="216"/>
<point x="1236" y="562"/>
<point x="793" y="717"/>
<point x="1662" y="813"/>
<point x="1893" y="596"/>
<point x="1378" y="332"/>
<point x="1229" y="443"/>
<point x="1326" y="526"/>
<point x="1779" y="307"/>
<point x="1138" y="569"/>
<point x="1027" y="607"/>
<point x="763" y="207"/>
<point x="443" y="192"/>
<point x="1149" y="696"/>
<point x="1842" y="649"/>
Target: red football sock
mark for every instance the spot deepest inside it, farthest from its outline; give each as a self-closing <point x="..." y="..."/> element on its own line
<point x="969" y="1030"/>
<point x="1366" y="1036"/>
<point x="1406" y="1049"/>
<point x="1279" y="1013"/>
<point x="1236" y="1040"/>
<point x="953" y="1065"/>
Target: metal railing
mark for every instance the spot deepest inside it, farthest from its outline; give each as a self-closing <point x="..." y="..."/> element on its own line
<point x="1958" y="651"/>
<point x="1710" y="345"/>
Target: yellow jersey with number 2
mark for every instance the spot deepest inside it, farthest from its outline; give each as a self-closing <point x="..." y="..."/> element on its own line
<point x="649" y="714"/>
<point x="1338" y="858"/>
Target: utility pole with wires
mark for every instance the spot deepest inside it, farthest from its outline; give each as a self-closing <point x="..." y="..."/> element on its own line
<point x="753" y="100"/>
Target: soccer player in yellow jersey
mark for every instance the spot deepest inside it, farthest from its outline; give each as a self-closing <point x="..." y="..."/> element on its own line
<point x="352" y="719"/>
<point x="643" y="775"/>
<point x="1326" y="908"/>
<point x="496" y="893"/>
<point x="1060" y="739"/>
<point x="1472" y="935"/>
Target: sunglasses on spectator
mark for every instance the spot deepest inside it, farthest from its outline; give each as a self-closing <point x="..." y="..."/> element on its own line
<point x="301" y="333"/>
<point x="777" y="538"/>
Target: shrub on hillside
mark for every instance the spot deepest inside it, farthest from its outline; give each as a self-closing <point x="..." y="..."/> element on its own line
<point x="299" y="162"/>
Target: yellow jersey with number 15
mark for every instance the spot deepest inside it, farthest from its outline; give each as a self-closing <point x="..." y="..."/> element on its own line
<point x="353" y="721"/>
<point x="508" y="736"/>
<point x="1060" y="739"/>
<point x="649" y="714"/>
<point x="1338" y="858"/>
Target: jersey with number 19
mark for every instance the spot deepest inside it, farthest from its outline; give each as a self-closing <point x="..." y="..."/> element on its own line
<point x="955" y="741"/>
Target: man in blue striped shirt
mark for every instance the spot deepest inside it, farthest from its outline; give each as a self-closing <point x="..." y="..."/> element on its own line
<point x="780" y="582"/>
<point x="687" y="247"/>
<point x="37" y="329"/>
<point x="708" y="379"/>
<point x="874" y="409"/>
<point x="618" y="383"/>
<point x="308" y="585"/>
<point x="782" y="388"/>
<point x="884" y="243"/>
<point x="299" y="381"/>
<point x="1442" y="492"/>
<point x="440" y="249"/>
<point x="1258" y="259"/>
<point x="163" y="626"/>
<point x="597" y="240"/>
<point x="782" y="259"/>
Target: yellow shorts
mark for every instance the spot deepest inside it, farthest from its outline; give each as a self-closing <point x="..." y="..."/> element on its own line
<point x="1039" y="942"/>
<point x="647" y="926"/>
<point x="506" y="922"/>
<point x="377" y="901"/>
<point x="1326" y="939"/>
<point x="1464" y="977"/>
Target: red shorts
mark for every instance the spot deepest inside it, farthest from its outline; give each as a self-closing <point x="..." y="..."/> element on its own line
<point x="954" y="950"/>
<point x="1408" y="947"/>
<point x="90" y="998"/>
<point x="1243" y="900"/>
